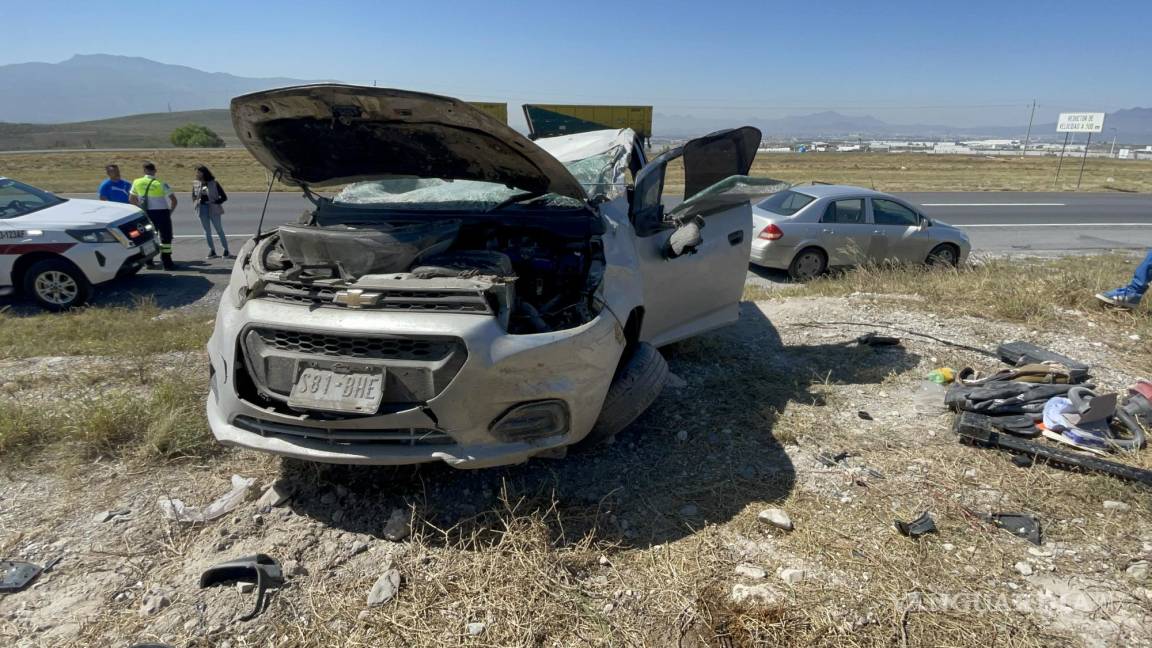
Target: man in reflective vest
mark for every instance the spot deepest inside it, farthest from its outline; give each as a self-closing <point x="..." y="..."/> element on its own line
<point x="155" y="197"/>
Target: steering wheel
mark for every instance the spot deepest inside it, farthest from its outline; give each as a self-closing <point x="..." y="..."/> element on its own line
<point x="14" y="205"/>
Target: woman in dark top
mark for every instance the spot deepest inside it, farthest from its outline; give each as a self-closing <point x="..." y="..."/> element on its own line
<point x="208" y="199"/>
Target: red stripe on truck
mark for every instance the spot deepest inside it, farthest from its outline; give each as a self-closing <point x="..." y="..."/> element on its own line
<point x="25" y="248"/>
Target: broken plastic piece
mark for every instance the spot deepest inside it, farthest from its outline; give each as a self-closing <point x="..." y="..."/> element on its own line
<point x="174" y="509"/>
<point x="15" y="575"/>
<point x="1018" y="524"/>
<point x="922" y="525"/>
<point x="830" y="460"/>
<point x="1022" y="353"/>
<point x="263" y="569"/>
<point x="875" y="339"/>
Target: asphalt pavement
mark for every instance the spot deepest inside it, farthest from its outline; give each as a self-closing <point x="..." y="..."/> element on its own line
<point x="996" y="222"/>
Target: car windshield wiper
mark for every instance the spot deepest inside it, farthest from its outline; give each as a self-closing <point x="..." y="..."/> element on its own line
<point x="514" y="199"/>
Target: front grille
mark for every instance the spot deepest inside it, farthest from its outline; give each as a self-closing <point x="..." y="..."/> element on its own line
<point x="336" y="436"/>
<point x="375" y="348"/>
<point x="446" y="301"/>
<point x="142" y="227"/>
<point x="415" y="369"/>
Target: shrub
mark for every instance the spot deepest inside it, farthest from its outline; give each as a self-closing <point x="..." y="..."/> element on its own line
<point x="196" y="136"/>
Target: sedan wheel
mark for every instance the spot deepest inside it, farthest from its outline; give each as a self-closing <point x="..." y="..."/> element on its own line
<point x="944" y="255"/>
<point x="808" y="265"/>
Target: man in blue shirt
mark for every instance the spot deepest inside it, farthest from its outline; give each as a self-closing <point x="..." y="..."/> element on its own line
<point x="114" y="188"/>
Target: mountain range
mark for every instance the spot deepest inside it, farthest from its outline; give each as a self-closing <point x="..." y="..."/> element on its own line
<point x="97" y="86"/>
<point x="92" y="87"/>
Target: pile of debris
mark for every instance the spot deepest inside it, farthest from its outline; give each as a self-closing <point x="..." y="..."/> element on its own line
<point x="1044" y="408"/>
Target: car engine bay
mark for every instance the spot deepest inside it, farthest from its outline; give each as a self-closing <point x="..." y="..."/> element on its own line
<point x="533" y="279"/>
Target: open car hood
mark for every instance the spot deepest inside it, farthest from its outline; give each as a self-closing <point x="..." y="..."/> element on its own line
<point x="334" y="134"/>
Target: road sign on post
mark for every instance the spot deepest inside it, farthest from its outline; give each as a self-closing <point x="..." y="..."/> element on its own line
<point x="1069" y="123"/>
<point x="1080" y="123"/>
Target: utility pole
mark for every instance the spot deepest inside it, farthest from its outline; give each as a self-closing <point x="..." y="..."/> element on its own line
<point x="1112" y="149"/>
<point x="1028" y="135"/>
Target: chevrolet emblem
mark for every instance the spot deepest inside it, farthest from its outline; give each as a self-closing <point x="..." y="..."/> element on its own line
<point x="357" y="298"/>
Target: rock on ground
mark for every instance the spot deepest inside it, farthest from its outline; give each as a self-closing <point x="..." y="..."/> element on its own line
<point x="777" y="518"/>
<point x="385" y="588"/>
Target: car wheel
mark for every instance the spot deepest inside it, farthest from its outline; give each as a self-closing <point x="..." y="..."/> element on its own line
<point x="945" y="255"/>
<point x="637" y="383"/>
<point x="56" y="285"/>
<point x="808" y="264"/>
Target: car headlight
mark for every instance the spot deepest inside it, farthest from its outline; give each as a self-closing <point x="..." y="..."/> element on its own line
<point x="92" y="235"/>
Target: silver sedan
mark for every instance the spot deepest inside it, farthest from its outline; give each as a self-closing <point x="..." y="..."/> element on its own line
<point x="808" y="229"/>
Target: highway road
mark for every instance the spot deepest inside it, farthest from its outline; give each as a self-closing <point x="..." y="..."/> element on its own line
<point x="997" y="222"/>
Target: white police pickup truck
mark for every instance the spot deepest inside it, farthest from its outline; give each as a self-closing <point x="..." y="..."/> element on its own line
<point x="55" y="249"/>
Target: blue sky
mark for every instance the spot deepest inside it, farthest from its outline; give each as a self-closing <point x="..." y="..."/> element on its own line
<point x="924" y="61"/>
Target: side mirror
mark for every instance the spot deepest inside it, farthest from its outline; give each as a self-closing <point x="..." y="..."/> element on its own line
<point x="685" y="240"/>
<point x="924" y="222"/>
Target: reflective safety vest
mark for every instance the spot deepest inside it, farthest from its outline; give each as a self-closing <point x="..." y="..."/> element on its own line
<point x="153" y="192"/>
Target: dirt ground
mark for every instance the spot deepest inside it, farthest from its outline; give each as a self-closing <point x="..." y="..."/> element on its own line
<point x="652" y="541"/>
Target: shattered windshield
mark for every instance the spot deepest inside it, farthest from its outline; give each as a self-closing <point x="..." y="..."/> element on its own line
<point x="596" y="173"/>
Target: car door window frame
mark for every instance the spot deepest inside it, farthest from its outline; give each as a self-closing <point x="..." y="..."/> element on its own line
<point x="918" y="216"/>
<point x="832" y="202"/>
<point x="646" y="211"/>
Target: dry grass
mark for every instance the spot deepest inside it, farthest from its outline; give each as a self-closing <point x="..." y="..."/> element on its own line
<point x="141" y="330"/>
<point x="82" y="171"/>
<point x="1049" y="294"/>
<point x="163" y="419"/>
<point x="899" y="172"/>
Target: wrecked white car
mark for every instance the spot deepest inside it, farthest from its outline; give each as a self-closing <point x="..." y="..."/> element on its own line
<point x="468" y="295"/>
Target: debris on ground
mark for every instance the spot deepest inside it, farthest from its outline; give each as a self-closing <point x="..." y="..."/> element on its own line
<point x="1018" y="524"/>
<point x="923" y="524"/>
<point x="264" y="570"/>
<point x="15" y="575"/>
<point x="105" y="516"/>
<point x="175" y="509"/>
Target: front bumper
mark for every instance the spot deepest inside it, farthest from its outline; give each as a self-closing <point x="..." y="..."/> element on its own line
<point x="103" y="262"/>
<point x="501" y="371"/>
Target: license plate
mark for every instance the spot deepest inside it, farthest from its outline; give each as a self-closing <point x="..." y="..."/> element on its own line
<point x="337" y="391"/>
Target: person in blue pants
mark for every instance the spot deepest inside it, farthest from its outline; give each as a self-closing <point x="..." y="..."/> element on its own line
<point x="1129" y="296"/>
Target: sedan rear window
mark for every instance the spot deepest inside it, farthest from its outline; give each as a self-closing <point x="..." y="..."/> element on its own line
<point x="785" y="203"/>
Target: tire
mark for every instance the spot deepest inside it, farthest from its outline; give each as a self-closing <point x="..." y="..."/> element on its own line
<point x="637" y="383"/>
<point x="56" y="285"/>
<point x="808" y="264"/>
<point x="944" y="255"/>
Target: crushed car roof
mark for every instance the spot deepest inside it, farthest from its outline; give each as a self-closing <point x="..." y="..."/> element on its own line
<point x="329" y="134"/>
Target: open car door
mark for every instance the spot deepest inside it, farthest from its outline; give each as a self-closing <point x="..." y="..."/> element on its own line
<point x="694" y="257"/>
